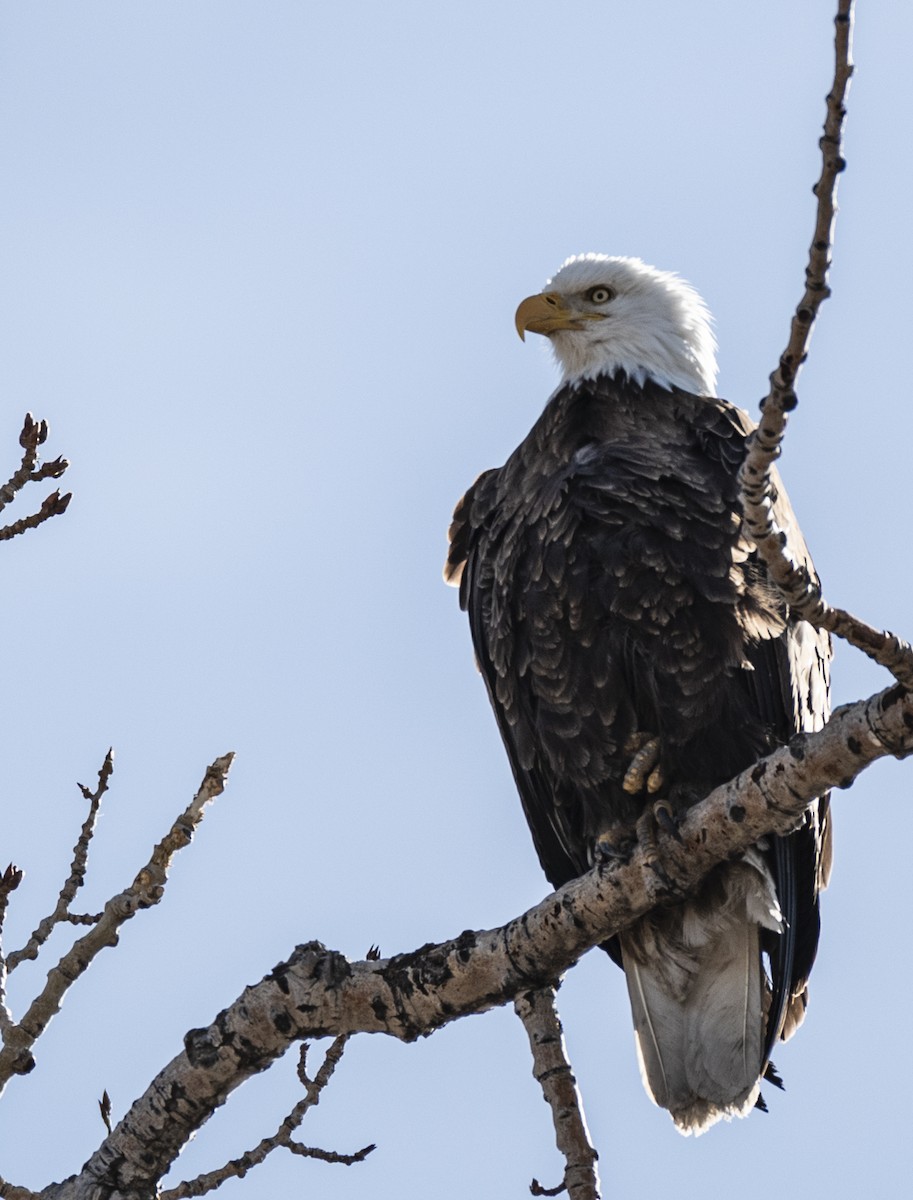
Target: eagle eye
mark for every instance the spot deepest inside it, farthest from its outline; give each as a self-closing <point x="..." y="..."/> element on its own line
<point x="600" y="295"/>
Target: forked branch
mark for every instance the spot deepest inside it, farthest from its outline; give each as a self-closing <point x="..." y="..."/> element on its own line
<point x="146" y="890"/>
<point x="800" y="589"/>
<point x="34" y="434"/>
<point x="237" y="1168"/>
<point x="76" y="877"/>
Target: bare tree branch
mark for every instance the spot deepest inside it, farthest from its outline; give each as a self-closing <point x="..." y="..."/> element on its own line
<point x="34" y="434"/>
<point x="552" y="1070"/>
<point x="319" y="993"/>
<point x="9" y="881"/>
<point x="237" y="1168"/>
<point x="76" y="877"/>
<point x="782" y="399"/>
<point x="146" y="890"/>
<point x="330" y="1156"/>
<point x="104" y="1108"/>
<point x="53" y="506"/>
<point x="9" y="1191"/>
<point x="800" y="589"/>
<point x="536" y="1189"/>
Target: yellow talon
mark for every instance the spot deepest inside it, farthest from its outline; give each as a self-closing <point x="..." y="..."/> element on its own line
<point x="641" y="767"/>
<point x="635" y="741"/>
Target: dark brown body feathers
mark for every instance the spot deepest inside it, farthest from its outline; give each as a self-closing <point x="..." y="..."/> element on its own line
<point x="610" y="590"/>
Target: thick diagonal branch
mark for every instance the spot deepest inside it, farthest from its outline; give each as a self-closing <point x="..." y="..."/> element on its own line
<point x="319" y="993"/>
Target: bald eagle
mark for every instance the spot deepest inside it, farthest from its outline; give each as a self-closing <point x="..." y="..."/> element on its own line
<point x="636" y="656"/>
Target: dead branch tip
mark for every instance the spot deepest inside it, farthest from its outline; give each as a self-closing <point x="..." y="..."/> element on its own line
<point x="104" y="1107"/>
<point x="34" y="433"/>
<point x="11" y="879"/>
<point x="536" y="1189"/>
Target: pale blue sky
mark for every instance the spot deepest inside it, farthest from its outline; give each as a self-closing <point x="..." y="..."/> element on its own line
<point x="258" y="268"/>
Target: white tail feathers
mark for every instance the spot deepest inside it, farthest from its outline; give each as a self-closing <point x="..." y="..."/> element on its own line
<point x="699" y="996"/>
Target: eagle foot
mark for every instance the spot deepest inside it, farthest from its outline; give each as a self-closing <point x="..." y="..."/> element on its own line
<point x="654" y="864"/>
<point x="615" y="844"/>
<point x="644" y="772"/>
<point x="665" y="818"/>
<point x="656" y="816"/>
<point x="635" y="740"/>
<point x="646" y="834"/>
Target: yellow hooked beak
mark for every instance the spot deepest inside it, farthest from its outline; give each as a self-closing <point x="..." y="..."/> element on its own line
<point x="547" y="312"/>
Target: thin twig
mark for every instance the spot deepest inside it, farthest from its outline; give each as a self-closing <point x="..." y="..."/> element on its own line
<point x="34" y="434"/>
<point x="536" y="1189"/>
<point x="104" y="1108"/>
<point x="801" y="590"/>
<point x="82" y="918"/>
<point x="53" y="506"/>
<point x="237" y="1168"/>
<point x="76" y="877"/>
<point x="146" y="890"/>
<point x="9" y="881"/>
<point x="552" y="1070"/>
<point x="330" y="1156"/>
<point x="9" y="1191"/>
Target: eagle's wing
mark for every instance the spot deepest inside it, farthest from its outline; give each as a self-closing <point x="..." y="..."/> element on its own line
<point x="470" y="566"/>
<point x="791" y="684"/>
<point x="790" y="691"/>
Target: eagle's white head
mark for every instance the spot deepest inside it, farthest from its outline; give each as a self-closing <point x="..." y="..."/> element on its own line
<point x="604" y="315"/>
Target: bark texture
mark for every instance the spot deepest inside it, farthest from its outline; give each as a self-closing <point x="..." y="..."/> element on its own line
<point x="317" y="992"/>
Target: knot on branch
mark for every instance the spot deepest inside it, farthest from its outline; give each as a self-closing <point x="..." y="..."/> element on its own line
<point x="880" y="710"/>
